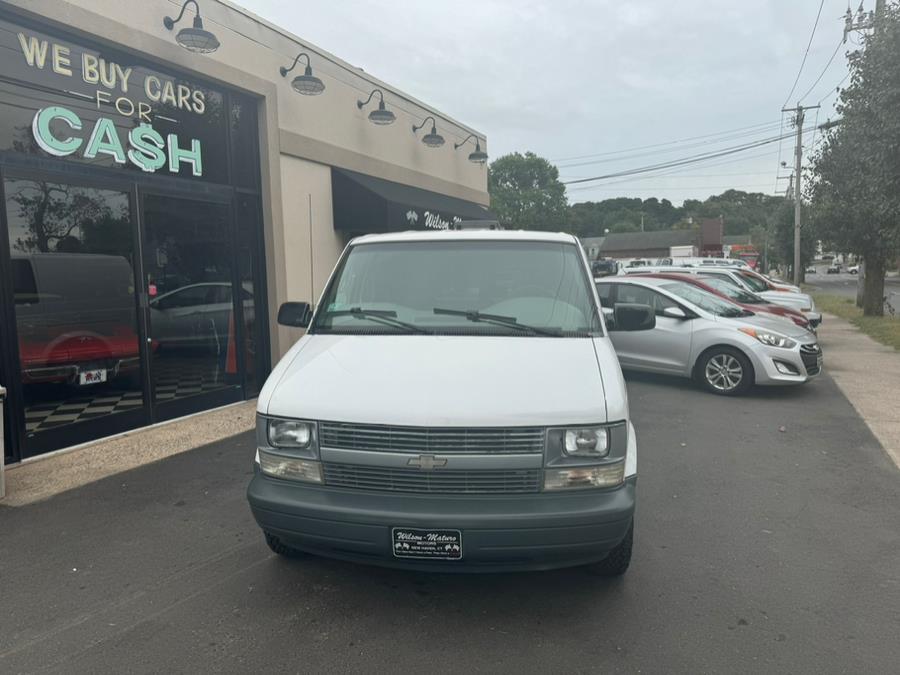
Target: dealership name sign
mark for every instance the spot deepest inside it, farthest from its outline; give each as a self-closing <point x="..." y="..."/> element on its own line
<point x="143" y="146"/>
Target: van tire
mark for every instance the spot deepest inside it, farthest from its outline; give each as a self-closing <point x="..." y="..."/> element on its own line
<point x="618" y="560"/>
<point x="725" y="356"/>
<point x="281" y="548"/>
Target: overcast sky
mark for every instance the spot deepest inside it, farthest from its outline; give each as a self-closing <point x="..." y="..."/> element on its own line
<point x="569" y="78"/>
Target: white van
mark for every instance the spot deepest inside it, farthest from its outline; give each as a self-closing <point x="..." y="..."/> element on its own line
<point x="456" y="404"/>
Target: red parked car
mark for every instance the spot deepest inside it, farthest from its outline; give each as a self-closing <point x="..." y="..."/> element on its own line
<point x="744" y="299"/>
<point x="76" y="318"/>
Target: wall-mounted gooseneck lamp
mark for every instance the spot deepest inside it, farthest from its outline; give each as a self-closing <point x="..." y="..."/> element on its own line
<point x="479" y="156"/>
<point x="432" y="139"/>
<point x="381" y="115"/>
<point x="306" y="84"/>
<point x="194" y="39"/>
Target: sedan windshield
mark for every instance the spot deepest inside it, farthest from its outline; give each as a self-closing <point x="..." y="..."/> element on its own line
<point x="733" y="292"/>
<point x="515" y="288"/>
<point x="753" y="282"/>
<point x="705" y="300"/>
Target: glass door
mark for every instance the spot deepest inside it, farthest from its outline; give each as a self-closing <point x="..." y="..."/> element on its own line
<point x="71" y="266"/>
<point x="195" y="304"/>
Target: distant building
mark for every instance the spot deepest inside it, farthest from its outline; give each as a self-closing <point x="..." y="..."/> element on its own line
<point x="592" y="246"/>
<point x="659" y="244"/>
<point x="712" y="232"/>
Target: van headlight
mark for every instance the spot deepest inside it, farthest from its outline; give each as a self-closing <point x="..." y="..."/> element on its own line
<point x="583" y="477"/>
<point x="289" y="468"/>
<point x="290" y="434"/>
<point x="587" y="442"/>
<point x="769" y="338"/>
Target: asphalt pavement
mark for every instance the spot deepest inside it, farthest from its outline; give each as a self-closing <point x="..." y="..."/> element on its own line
<point x="767" y="540"/>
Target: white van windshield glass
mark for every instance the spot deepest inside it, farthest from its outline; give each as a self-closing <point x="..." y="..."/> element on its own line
<point x="520" y="288"/>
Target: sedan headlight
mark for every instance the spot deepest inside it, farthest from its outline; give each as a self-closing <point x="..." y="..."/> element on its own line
<point x="289" y="433"/>
<point x="769" y="338"/>
<point x="587" y="442"/>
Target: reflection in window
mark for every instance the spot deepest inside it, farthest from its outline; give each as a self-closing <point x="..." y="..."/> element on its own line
<point x="73" y="282"/>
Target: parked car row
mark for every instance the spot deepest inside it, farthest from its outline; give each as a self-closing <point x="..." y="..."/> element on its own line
<point x="709" y="329"/>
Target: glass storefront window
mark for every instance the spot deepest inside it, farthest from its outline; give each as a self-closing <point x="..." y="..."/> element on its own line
<point x="73" y="279"/>
<point x="134" y="303"/>
<point x="188" y="264"/>
<point x="105" y="109"/>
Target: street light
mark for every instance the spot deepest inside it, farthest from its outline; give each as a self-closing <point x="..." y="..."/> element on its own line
<point x="194" y="39"/>
<point x="381" y="116"/>
<point x="306" y="84"/>
<point x="432" y="139"/>
<point x="476" y="157"/>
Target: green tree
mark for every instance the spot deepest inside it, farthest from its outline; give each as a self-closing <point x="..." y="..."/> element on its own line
<point x="526" y="193"/>
<point x="855" y="186"/>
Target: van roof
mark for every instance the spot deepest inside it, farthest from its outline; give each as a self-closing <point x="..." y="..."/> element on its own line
<point x="466" y="235"/>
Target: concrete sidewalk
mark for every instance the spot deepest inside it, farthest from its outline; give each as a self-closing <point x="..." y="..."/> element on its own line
<point x="868" y="374"/>
<point x="43" y="477"/>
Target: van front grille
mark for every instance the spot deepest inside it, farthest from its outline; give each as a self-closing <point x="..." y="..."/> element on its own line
<point x="432" y="440"/>
<point x="439" y="481"/>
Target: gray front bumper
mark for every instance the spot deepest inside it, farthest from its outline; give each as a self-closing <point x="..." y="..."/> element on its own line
<point x="520" y="532"/>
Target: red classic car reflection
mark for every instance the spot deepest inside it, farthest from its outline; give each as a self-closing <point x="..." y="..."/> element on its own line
<point x="75" y="317"/>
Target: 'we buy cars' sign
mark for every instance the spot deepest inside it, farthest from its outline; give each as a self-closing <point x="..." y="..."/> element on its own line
<point x="124" y="90"/>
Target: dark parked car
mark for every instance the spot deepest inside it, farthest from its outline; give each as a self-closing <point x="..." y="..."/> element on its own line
<point x="833" y="269"/>
<point x="604" y="267"/>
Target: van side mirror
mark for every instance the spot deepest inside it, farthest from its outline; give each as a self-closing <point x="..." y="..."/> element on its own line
<point x="295" y="314"/>
<point x="633" y="317"/>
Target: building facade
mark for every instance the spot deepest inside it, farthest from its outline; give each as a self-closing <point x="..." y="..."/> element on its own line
<point x="158" y="204"/>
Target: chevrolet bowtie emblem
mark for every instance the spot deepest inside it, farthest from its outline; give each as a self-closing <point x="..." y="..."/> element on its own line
<point x="427" y="462"/>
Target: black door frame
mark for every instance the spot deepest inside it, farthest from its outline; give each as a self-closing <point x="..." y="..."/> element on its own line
<point x="160" y="412"/>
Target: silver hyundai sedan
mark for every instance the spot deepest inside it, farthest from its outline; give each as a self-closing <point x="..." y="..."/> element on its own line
<point x="724" y="347"/>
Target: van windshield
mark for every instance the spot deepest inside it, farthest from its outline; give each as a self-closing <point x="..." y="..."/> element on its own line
<point x="515" y="288"/>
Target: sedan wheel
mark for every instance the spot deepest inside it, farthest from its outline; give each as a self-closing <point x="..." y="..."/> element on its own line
<point x="726" y="372"/>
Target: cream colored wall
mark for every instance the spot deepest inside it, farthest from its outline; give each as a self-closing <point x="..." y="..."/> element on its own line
<point x="310" y="240"/>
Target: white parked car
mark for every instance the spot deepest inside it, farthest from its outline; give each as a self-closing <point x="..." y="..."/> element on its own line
<point x="725" y="348"/>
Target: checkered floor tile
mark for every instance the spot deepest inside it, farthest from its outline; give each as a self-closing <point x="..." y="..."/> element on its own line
<point x="176" y="377"/>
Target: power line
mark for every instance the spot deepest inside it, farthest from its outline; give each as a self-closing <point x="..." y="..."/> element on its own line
<point x="834" y="90"/>
<point x="805" y="54"/>
<point x="669" y="150"/>
<point x="656" y="188"/>
<point x="657" y="145"/>
<point x="824" y="70"/>
<point x="680" y="162"/>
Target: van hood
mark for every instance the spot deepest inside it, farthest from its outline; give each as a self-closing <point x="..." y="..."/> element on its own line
<point x="427" y="380"/>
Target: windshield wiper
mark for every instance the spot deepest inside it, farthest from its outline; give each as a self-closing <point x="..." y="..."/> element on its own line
<point x="388" y="317"/>
<point x="507" y="321"/>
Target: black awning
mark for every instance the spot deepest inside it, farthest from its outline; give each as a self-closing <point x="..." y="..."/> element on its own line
<point x="364" y="204"/>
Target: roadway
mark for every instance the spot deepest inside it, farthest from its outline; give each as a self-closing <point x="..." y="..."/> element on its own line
<point x="766" y="541"/>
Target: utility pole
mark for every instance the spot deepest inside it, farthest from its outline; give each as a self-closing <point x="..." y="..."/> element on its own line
<point x="800" y="113"/>
<point x="642" y="221"/>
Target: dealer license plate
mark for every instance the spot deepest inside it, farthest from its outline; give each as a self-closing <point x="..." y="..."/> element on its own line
<point x="426" y="544"/>
<point x="92" y="376"/>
